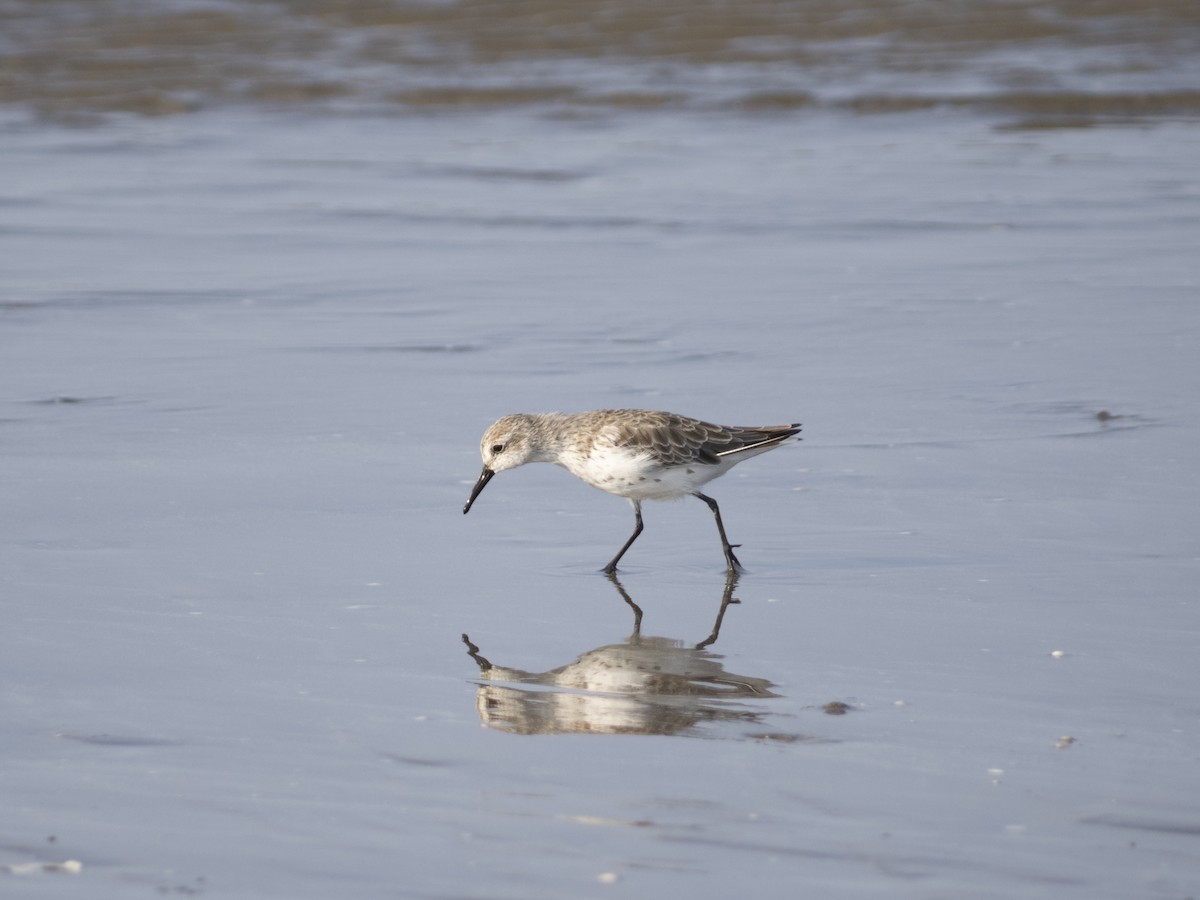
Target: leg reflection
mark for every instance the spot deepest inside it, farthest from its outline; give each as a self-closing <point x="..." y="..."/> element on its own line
<point x="731" y="580"/>
<point x="727" y="598"/>
<point x="637" y="610"/>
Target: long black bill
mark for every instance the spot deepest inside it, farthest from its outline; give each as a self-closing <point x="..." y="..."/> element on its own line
<point x="484" y="477"/>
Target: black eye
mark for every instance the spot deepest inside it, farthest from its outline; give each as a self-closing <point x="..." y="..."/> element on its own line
<point x="497" y="448"/>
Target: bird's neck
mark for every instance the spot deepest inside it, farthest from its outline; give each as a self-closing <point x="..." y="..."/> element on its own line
<point x="553" y="437"/>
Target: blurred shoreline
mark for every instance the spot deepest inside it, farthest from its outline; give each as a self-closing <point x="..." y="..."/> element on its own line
<point x="1032" y="64"/>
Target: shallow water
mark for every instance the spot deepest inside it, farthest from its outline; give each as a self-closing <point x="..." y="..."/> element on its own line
<point x="245" y="359"/>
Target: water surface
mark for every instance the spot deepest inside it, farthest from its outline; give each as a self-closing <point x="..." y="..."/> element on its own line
<point x="249" y="339"/>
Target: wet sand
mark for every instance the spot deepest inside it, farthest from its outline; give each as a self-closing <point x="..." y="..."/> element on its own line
<point x="247" y="350"/>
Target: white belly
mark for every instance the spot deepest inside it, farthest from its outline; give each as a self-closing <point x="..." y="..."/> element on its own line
<point x="617" y="471"/>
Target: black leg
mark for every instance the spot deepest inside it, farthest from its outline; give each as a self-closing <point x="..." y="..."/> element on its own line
<point x="637" y="529"/>
<point x="730" y="559"/>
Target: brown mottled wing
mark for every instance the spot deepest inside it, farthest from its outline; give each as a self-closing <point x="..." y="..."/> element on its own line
<point x="760" y="438"/>
<point x="677" y="440"/>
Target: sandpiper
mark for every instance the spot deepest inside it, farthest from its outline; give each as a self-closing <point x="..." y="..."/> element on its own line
<point x="638" y="454"/>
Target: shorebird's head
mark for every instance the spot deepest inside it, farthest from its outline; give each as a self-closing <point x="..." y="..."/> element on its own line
<point x="505" y="445"/>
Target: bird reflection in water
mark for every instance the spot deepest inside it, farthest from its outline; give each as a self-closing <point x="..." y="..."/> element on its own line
<point x="643" y="685"/>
